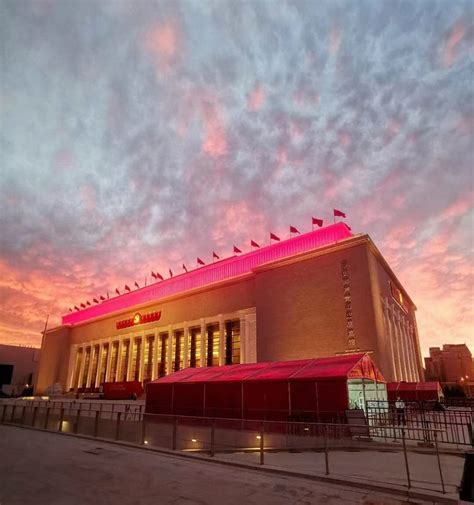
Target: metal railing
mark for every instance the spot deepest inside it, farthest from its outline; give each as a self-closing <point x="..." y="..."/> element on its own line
<point x="330" y="444"/>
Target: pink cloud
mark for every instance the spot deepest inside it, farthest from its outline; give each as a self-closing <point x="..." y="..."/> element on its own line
<point x="163" y="42"/>
<point x="334" y="41"/>
<point x="256" y="98"/>
<point x="215" y="137"/>
<point x="451" y="48"/>
<point x="460" y="207"/>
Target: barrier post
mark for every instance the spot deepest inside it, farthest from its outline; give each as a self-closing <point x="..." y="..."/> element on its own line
<point x="61" y="419"/>
<point x="33" y="421"/>
<point x="117" y="426"/>
<point x="13" y="413"/>
<point x="406" y="457"/>
<point x="78" y="416"/>
<point x="326" y="450"/>
<point x="143" y="435"/>
<point x="23" y="413"/>
<point x="3" y="412"/>
<point x="175" y="429"/>
<point x="439" y="462"/>
<point x="262" y="444"/>
<point x="96" y="423"/>
<point x="213" y="429"/>
<point x="46" y="418"/>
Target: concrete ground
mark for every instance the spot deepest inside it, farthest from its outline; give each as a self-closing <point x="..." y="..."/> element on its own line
<point x="45" y="468"/>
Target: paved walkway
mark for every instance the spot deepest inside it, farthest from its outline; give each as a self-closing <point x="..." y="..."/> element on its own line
<point x="45" y="468"/>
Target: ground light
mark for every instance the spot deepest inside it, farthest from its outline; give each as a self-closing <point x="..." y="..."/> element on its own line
<point x="193" y="440"/>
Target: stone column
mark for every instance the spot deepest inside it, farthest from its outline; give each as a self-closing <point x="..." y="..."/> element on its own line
<point x="118" y="377"/>
<point x="221" y="340"/>
<point x="251" y="330"/>
<point x="81" y="371"/>
<point x="389" y="339"/>
<point x="395" y="343"/>
<point x="109" y="361"/>
<point x="203" y="343"/>
<point x="96" y="379"/>
<point x="142" y="358"/>
<point x="91" y="362"/>
<point x="403" y="367"/>
<point x="130" y="357"/>
<point x="185" y="344"/>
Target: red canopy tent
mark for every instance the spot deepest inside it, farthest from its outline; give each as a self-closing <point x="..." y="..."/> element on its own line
<point x="414" y="391"/>
<point x="272" y="390"/>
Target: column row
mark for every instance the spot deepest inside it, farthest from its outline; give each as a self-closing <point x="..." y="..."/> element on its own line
<point x="157" y="352"/>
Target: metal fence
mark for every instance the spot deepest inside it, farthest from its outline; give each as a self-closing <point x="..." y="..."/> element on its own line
<point x="326" y="446"/>
<point x="454" y="426"/>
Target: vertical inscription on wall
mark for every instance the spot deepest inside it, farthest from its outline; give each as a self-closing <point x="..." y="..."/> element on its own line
<point x="346" y="285"/>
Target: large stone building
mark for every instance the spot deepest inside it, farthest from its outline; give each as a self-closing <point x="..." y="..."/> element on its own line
<point x="18" y="368"/>
<point x="322" y="293"/>
<point x="453" y="363"/>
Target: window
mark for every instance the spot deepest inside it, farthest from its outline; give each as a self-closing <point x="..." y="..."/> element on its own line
<point x="163" y="341"/>
<point x="178" y="350"/>
<point x="87" y="360"/>
<point x="148" y="358"/>
<point x="114" y="362"/>
<point x="194" y="347"/>
<point x="232" y="342"/>
<point x="124" y="360"/>
<point x="213" y="345"/>
<point x="103" y="363"/>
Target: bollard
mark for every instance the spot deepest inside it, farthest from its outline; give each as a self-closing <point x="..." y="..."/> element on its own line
<point x="61" y="419"/>
<point x="46" y="419"/>
<point x="326" y="449"/>
<point x="117" y="426"/>
<point x="213" y="429"/>
<point x="406" y="457"/>
<point x="439" y="462"/>
<point x="96" y="423"/>
<point x="143" y="435"/>
<point x="175" y="430"/>
<point x="262" y="444"/>
<point x="33" y="421"/>
<point x="23" y="413"/>
<point x="13" y="413"/>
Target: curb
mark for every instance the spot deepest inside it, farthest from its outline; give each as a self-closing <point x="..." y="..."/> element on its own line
<point x="430" y="496"/>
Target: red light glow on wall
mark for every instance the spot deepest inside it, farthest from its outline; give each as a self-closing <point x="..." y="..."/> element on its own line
<point x="138" y="319"/>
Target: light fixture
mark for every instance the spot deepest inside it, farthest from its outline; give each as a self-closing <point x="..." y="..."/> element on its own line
<point x="193" y="440"/>
<point x="258" y="437"/>
<point x="146" y="441"/>
<point x="306" y="429"/>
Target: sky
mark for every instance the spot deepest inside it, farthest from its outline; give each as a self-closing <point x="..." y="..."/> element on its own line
<point x="138" y="135"/>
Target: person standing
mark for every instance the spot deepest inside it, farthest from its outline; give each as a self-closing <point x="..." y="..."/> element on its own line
<point x="400" y="407"/>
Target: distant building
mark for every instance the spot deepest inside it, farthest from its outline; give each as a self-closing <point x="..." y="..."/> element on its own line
<point x="323" y="293"/>
<point x="453" y="363"/>
<point x="18" y="368"/>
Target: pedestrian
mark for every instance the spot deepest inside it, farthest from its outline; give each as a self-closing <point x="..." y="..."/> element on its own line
<point x="400" y="407"/>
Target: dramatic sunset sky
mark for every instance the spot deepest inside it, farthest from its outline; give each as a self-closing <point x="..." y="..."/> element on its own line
<point x="138" y="135"/>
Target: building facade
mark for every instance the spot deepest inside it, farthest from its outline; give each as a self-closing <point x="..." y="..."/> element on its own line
<point x="452" y="363"/>
<point x="323" y="293"/>
<point x="18" y="368"/>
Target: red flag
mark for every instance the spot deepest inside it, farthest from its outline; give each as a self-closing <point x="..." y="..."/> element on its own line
<point x="83" y="306"/>
<point x="153" y="274"/>
<point x="318" y="222"/>
<point x="127" y="288"/>
<point x="95" y="300"/>
<point x="184" y="268"/>
<point x="171" y="273"/>
<point x="70" y="310"/>
<point x="237" y="250"/>
<point x="200" y="262"/>
<point x="274" y="237"/>
<point x="117" y="291"/>
<point x="159" y="276"/>
<point x="214" y="255"/>
<point x="88" y="303"/>
<point x="102" y="298"/>
<point x="294" y="230"/>
<point x="136" y="284"/>
<point x="76" y="307"/>
<point x="253" y="244"/>
<point x="338" y="213"/>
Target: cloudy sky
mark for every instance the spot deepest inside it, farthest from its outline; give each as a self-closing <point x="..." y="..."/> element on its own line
<point x="137" y="135"/>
